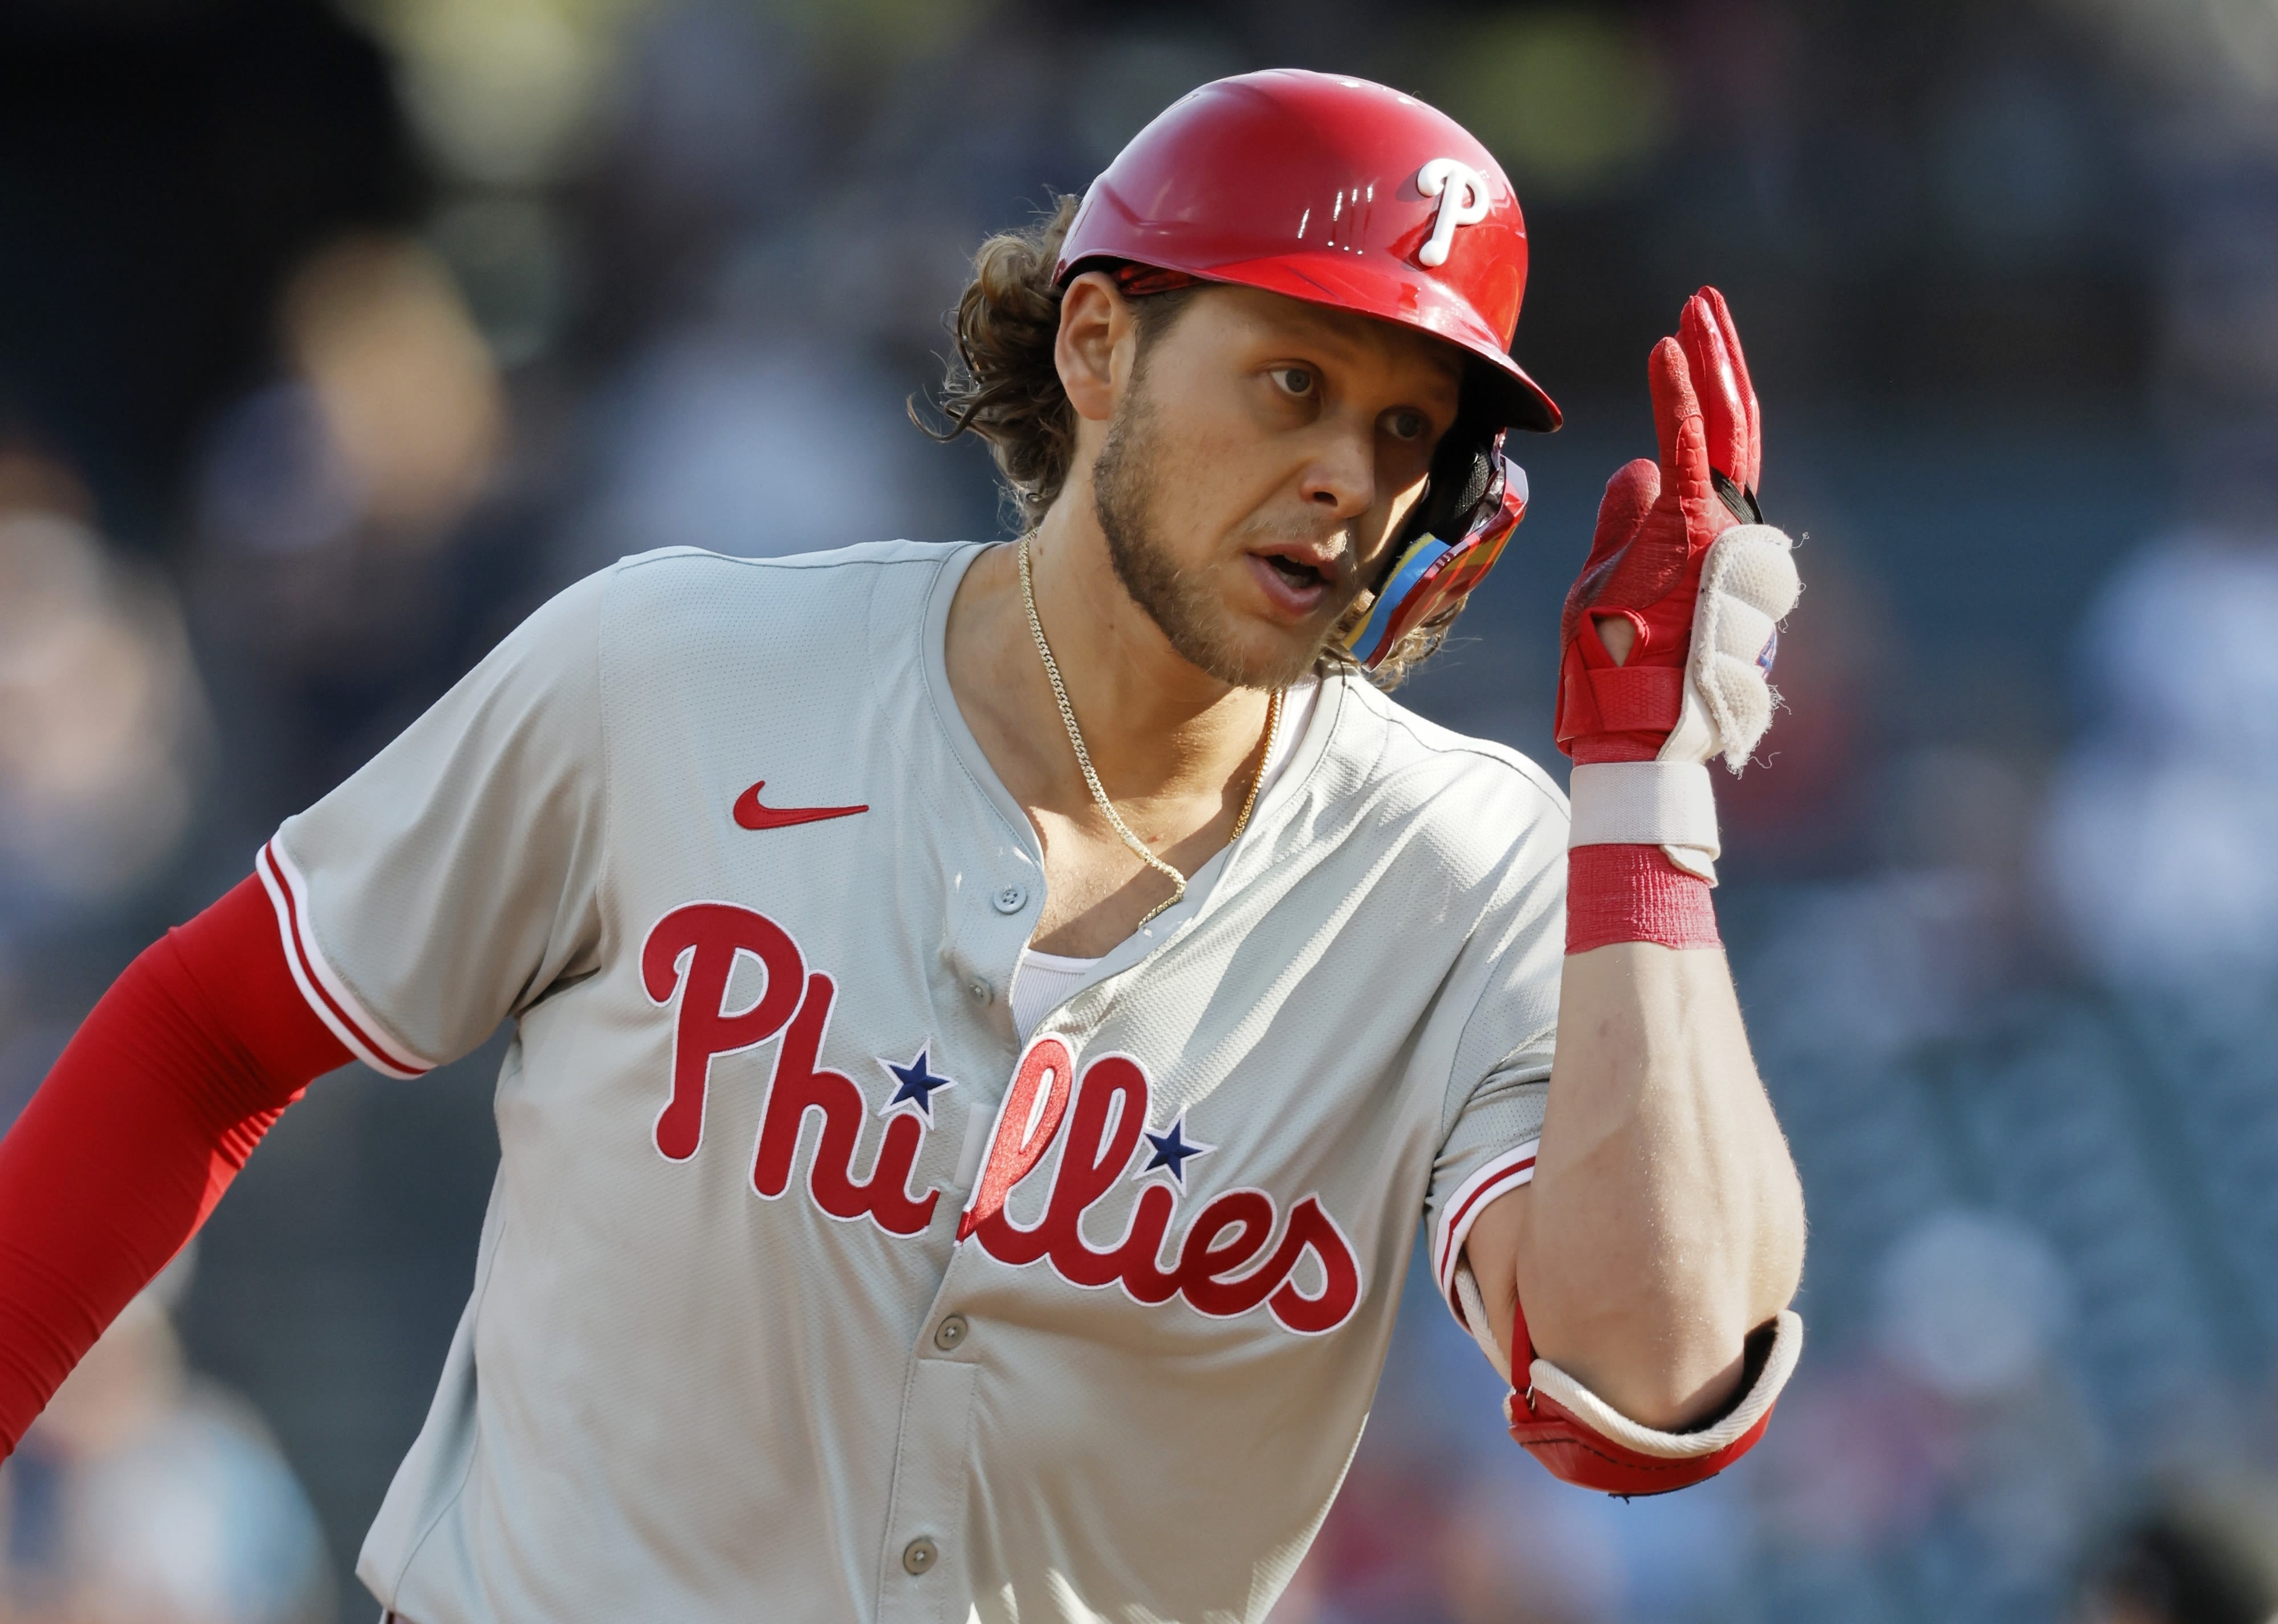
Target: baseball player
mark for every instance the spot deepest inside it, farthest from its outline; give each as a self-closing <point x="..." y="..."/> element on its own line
<point x="988" y="1018"/>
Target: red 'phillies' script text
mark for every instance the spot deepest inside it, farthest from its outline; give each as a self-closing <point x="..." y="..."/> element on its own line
<point x="1236" y="1254"/>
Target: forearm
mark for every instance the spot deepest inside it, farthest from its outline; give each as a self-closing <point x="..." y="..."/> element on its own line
<point x="149" y="1112"/>
<point x="1665" y="1222"/>
<point x="1663" y="1226"/>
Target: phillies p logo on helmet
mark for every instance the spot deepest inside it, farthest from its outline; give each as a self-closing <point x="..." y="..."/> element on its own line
<point x="1462" y="194"/>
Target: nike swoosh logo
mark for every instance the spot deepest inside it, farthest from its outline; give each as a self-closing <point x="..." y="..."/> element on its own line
<point x="752" y="815"/>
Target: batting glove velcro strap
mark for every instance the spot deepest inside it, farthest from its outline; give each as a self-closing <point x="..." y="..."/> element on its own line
<point x="1665" y="804"/>
<point x="1584" y="1440"/>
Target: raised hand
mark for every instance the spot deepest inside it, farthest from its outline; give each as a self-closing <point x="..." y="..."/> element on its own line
<point x="1628" y="622"/>
<point x="1668" y="636"/>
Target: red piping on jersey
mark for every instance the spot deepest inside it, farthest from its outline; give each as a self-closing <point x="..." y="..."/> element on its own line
<point x="1454" y="1224"/>
<point x="286" y="899"/>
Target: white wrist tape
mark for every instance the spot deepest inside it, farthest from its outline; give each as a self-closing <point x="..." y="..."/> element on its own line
<point x="1645" y="803"/>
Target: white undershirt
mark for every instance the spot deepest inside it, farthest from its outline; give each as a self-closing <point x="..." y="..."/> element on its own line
<point x="1043" y="981"/>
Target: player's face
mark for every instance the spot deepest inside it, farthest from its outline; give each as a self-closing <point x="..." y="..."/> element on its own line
<point x="1257" y="468"/>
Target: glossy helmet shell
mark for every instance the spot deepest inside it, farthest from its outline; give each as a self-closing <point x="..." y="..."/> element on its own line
<point x="1336" y="191"/>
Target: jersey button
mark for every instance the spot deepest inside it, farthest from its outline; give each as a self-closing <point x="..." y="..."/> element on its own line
<point x="950" y="1332"/>
<point x="919" y="1555"/>
<point x="978" y="990"/>
<point x="1011" y="899"/>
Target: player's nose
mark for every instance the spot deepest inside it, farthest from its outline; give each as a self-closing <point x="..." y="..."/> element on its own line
<point x="1340" y="477"/>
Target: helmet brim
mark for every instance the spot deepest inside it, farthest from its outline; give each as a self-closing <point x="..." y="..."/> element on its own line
<point x="1505" y="393"/>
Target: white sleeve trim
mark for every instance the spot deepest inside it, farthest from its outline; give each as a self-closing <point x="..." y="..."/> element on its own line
<point x="1644" y="803"/>
<point x="1513" y="1168"/>
<point x="1602" y="1419"/>
<point x="329" y="996"/>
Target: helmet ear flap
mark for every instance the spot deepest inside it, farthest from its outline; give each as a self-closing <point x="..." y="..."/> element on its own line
<point x="1432" y="569"/>
<point x="1473" y="498"/>
<point x="1463" y="467"/>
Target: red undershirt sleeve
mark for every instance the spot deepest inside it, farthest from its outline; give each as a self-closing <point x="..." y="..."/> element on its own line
<point x="149" y="1114"/>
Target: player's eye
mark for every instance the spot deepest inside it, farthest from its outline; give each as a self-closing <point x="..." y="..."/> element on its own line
<point x="1406" y="424"/>
<point x="1297" y="381"/>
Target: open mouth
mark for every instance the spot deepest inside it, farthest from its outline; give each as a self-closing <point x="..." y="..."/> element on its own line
<point x="1295" y="587"/>
<point x="1301" y="575"/>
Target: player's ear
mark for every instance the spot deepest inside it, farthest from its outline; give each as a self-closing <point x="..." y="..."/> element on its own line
<point x="1096" y="345"/>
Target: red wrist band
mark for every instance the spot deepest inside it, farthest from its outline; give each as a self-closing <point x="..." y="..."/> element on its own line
<point x="1634" y="894"/>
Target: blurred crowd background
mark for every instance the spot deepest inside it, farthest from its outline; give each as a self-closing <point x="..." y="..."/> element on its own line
<point x="334" y="338"/>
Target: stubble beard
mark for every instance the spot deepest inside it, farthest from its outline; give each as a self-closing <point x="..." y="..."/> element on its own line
<point x="1186" y="607"/>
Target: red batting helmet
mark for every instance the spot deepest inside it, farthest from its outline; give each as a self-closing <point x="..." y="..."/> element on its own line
<point x="1330" y="189"/>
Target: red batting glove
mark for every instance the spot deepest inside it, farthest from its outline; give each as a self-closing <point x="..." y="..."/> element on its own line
<point x="1655" y="526"/>
<point x="1693" y="684"/>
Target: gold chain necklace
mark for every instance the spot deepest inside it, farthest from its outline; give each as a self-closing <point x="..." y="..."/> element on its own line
<point x="1083" y="757"/>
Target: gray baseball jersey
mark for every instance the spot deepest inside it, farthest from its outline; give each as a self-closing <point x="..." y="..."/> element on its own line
<point x="807" y="1291"/>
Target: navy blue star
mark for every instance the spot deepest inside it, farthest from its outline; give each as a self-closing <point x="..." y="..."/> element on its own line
<point x="1171" y="1150"/>
<point x="918" y="1083"/>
